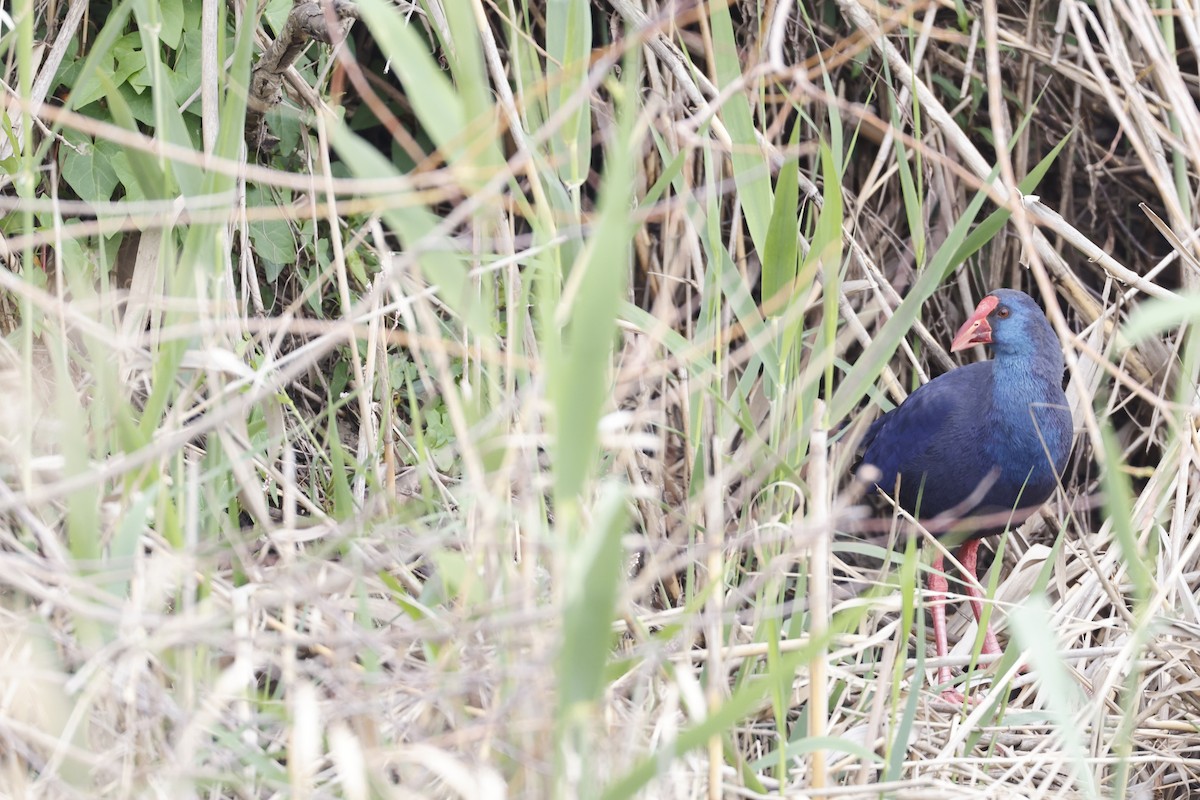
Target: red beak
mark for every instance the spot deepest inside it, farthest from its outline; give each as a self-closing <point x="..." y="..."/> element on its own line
<point x="976" y="330"/>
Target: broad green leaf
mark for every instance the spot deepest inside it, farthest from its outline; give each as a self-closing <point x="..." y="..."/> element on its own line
<point x="140" y="105"/>
<point x="276" y="13"/>
<point x="273" y="239"/>
<point x="172" y="22"/>
<point x="127" y="176"/>
<point x="130" y="58"/>
<point x="185" y="73"/>
<point x="88" y="90"/>
<point x="87" y="166"/>
<point x="99" y="58"/>
<point x="139" y="172"/>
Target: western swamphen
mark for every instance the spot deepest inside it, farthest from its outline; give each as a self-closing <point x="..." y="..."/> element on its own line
<point x="981" y="447"/>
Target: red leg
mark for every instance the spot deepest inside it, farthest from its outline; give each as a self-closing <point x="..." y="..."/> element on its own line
<point x="967" y="556"/>
<point x="937" y="607"/>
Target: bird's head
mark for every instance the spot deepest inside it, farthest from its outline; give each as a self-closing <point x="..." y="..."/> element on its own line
<point x="1010" y="321"/>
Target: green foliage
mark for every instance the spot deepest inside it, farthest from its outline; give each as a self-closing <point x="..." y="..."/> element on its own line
<point x="273" y="239"/>
<point x="1156" y="316"/>
<point x="748" y="164"/>
<point x="580" y="376"/>
<point x="569" y="45"/>
<point x="780" y="264"/>
<point x="88" y="166"/>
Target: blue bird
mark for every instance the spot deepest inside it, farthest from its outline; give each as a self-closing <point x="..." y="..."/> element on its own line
<point x="980" y="448"/>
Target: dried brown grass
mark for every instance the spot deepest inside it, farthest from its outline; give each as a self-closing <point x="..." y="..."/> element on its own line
<point x="408" y="644"/>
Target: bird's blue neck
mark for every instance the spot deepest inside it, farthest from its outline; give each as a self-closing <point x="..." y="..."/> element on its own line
<point x="1027" y="386"/>
<point x="1031" y="367"/>
<point x="1020" y="376"/>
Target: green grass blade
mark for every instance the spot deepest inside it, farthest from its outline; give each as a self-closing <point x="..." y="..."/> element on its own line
<point x="593" y="579"/>
<point x="568" y="44"/>
<point x="579" y="379"/>
<point x="1153" y="316"/>
<point x="994" y="222"/>
<point x="827" y="251"/>
<point x="750" y="170"/>
<point x="780" y="263"/>
<point x="1030" y="624"/>
<point x="879" y="352"/>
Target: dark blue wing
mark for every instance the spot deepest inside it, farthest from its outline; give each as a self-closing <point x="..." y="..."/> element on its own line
<point x="933" y="441"/>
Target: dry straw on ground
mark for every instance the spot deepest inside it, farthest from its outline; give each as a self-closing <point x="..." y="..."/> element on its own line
<point x="526" y="472"/>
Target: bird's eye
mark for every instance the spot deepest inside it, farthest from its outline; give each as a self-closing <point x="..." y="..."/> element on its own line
<point x="1002" y="312"/>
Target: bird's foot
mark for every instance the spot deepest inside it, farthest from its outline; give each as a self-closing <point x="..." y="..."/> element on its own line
<point x="957" y="699"/>
<point x="952" y="696"/>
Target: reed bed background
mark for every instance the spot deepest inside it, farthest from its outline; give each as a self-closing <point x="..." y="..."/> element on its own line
<point x="487" y="427"/>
